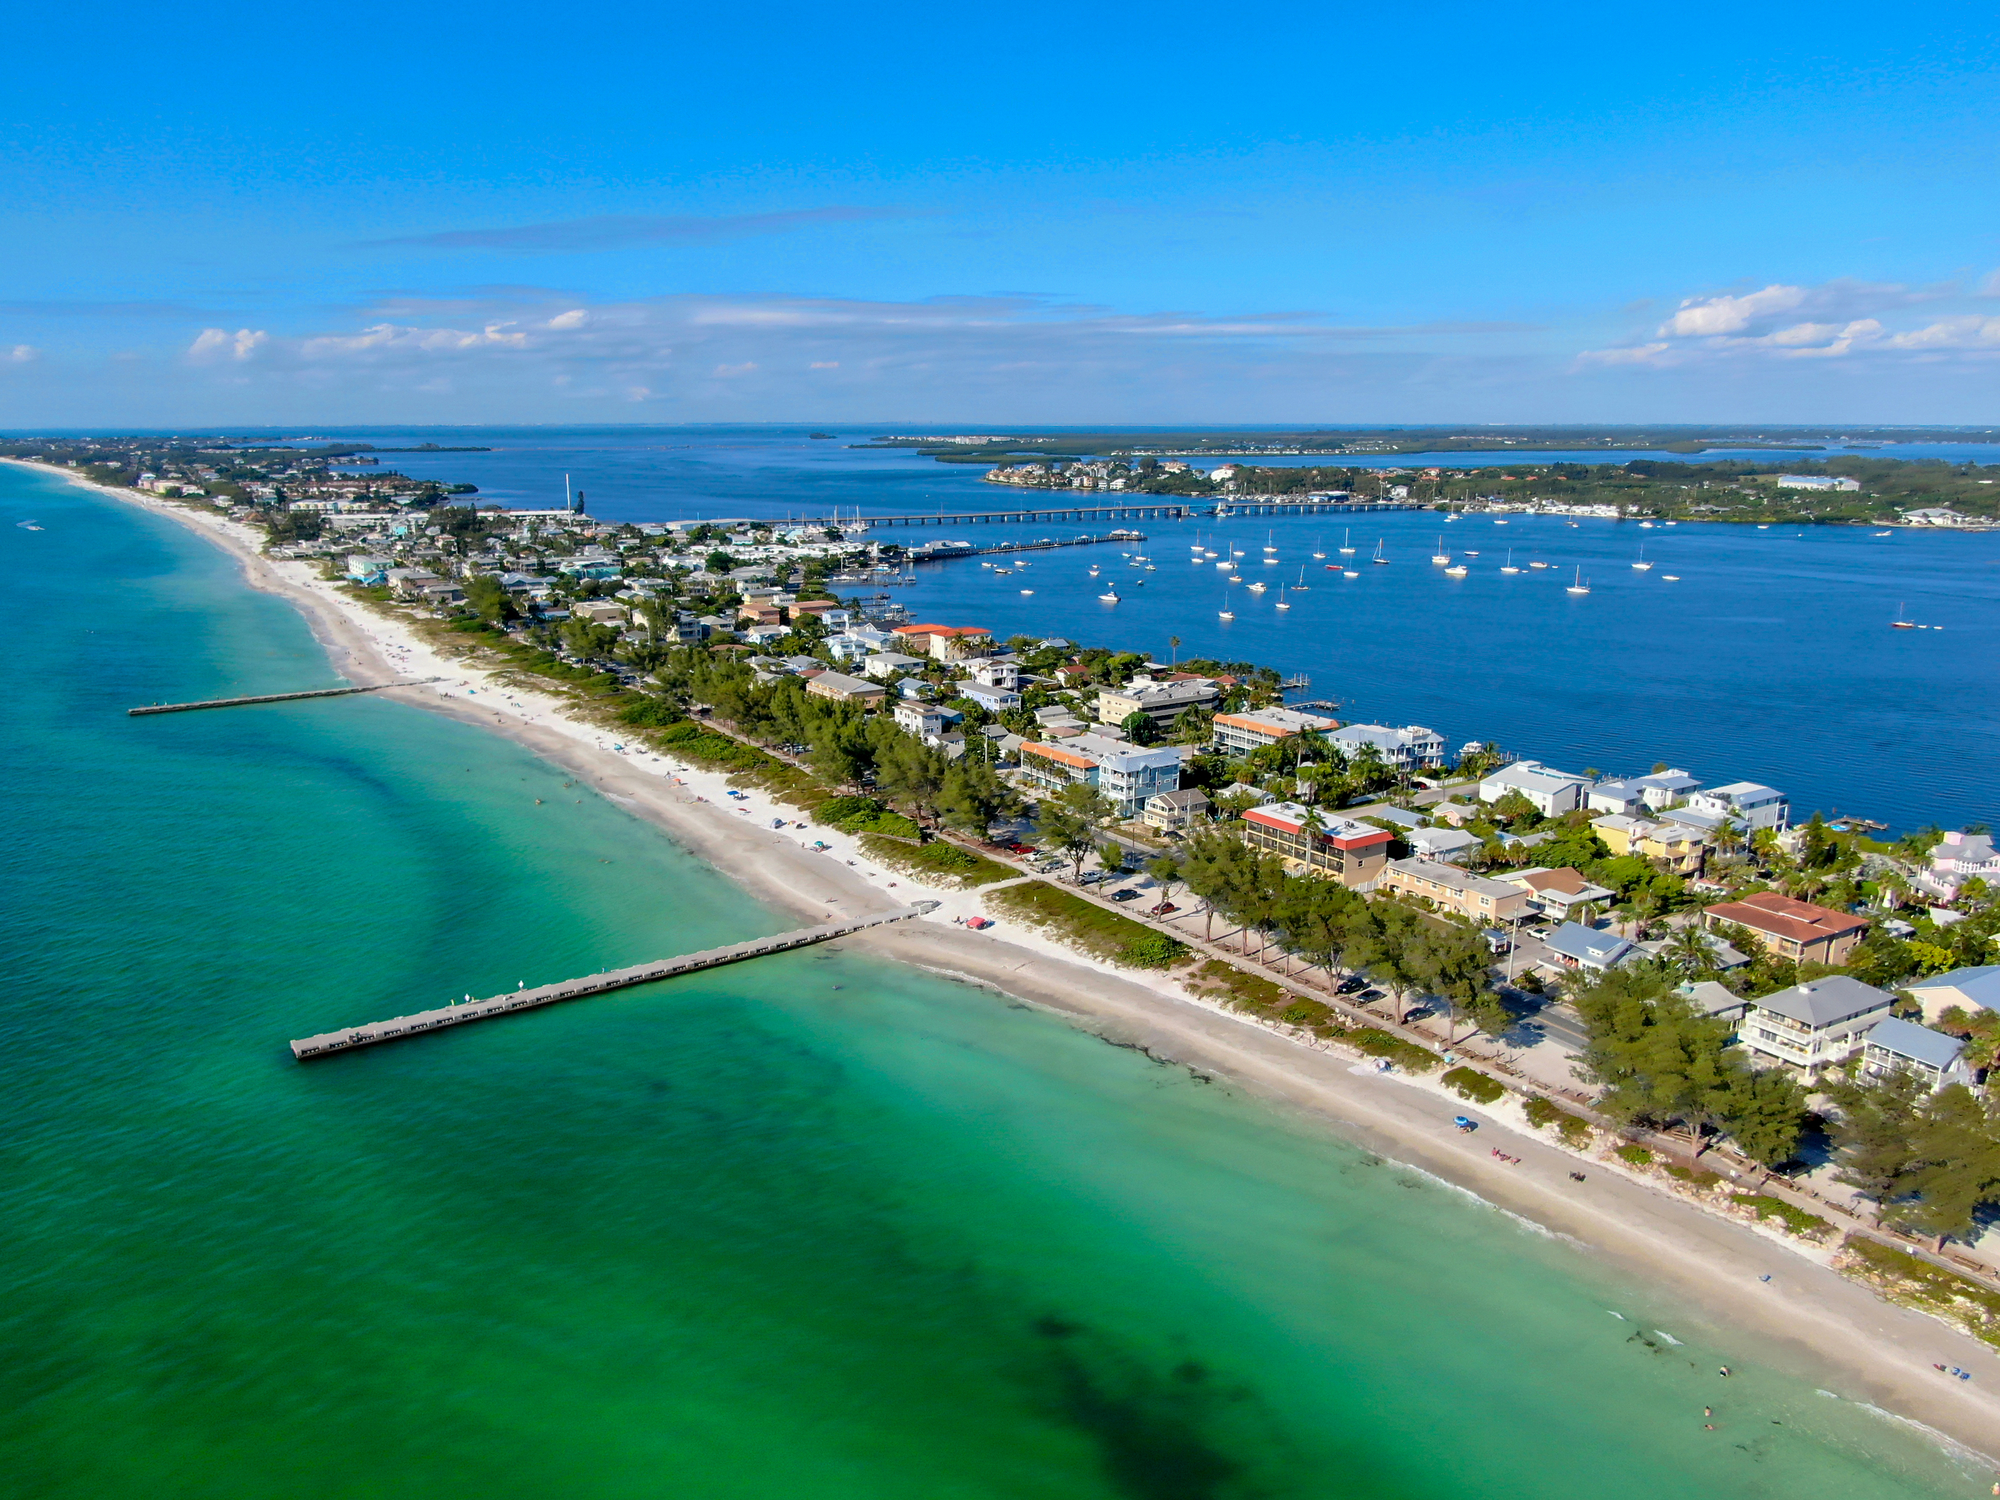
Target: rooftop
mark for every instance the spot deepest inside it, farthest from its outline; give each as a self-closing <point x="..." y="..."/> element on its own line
<point x="1801" y="921"/>
<point x="1825" y="1002"/>
<point x="1918" y="1043"/>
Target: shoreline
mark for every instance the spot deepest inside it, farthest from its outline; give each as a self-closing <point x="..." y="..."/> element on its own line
<point x="1809" y="1320"/>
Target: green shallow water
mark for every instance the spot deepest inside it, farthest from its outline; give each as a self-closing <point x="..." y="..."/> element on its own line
<point x="814" y="1227"/>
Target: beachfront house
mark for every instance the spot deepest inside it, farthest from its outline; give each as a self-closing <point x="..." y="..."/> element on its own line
<point x="1410" y="748"/>
<point x="1969" y="990"/>
<point x="1240" y="733"/>
<point x="1621" y="798"/>
<point x="1576" y="946"/>
<point x="1792" y="929"/>
<point x="1487" y="902"/>
<point x="927" y="721"/>
<point x="886" y="664"/>
<point x="1129" y="775"/>
<point x="844" y="689"/>
<point x="1311" y="842"/>
<point x="1898" y="1046"/>
<point x="946" y="642"/>
<point x="1681" y="847"/>
<point x="1815" y="1025"/>
<point x="1665" y="789"/>
<point x="1174" y="812"/>
<point x="1548" y="792"/>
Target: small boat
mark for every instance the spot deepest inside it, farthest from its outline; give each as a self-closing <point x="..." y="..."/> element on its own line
<point x="1258" y="588"/>
<point x="1538" y="565"/>
<point x="1002" y="572"/>
<point x="1225" y="613"/>
<point x="1281" y="598"/>
<point x="1317" y="554"/>
<point x="1579" y="587"/>
<point x="28" y="526"/>
<point x="1301" y="586"/>
<point x="986" y="565"/>
<point x="1570" y="524"/>
<point x="1762" y="527"/>
<point x="1882" y="533"/>
<point x="1642" y="565"/>
<point x="1500" y="521"/>
<point x="1269" y="545"/>
<point x="1449" y="519"/>
<point x="1440" y="557"/>
<point x="1378" y="557"/>
<point x="1349" y="573"/>
<point x="1027" y="591"/>
<point x="1899" y="623"/>
<point x="1150" y="568"/>
<point x="1510" y="568"/>
<point x="1110" y="597"/>
<point x="1645" y="525"/>
<point x="1670" y="578"/>
<point x="1456" y="570"/>
<point x="1093" y="571"/>
<point x="1345" y="549"/>
<point x="1470" y="553"/>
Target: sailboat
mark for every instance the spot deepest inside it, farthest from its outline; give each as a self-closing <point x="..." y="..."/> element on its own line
<point x="1579" y="587"/>
<point x="1349" y="573"/>
<point x="1301" y="586"/>
<point x="1225" y="613"/>
<point x="1440" y="557"/>
<point x="1281" y="598"/>
<point x="1510" y="568"/>
<point x="1642" y="565"/>
<point x="1378" y="557"/>
<point x="1318" y="556"/>
<point x="1269" y="545"/>
<point x="1345" y="549"/>
<point x="1899" y="623"/>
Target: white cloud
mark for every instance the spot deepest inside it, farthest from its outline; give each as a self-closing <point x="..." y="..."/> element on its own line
<point x="576" y="317"/>
<point x="22" y="354"/>
<point x="824" y="364"/>
<point x="220" y="343"/>
<point x="1970" y="331"/>
<point x="1641" y="354"/>
<point x="1699" y="317"/>
<point x="726" y="371"/>
<point x="397" y="336"/>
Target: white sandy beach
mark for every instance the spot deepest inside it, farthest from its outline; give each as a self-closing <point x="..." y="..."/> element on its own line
<point x="1806" y="1318"/>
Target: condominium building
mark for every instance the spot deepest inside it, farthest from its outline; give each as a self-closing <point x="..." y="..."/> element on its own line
<point x="1454" y="890"/>
<point x="1328" y="845"/>
<point x="1815" y="1025"/>
<point x="1253" y="729"/>
<point x="1409" y="748"/>
<point x="1162" y="702"/>
<point x="1128" y="774"/>
<point x="1796" y="930"/>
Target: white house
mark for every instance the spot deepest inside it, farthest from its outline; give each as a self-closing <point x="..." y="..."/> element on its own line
<point x="1409" y="748"/>
<point x="1898" y="1046"/>
<point x="886" y="664"/>
<point x="1815" y="1025"/>
<point x="993" y="699"/>
<point x="1550" y="792"/>
<point x="1665" y="789"/>
<point x="997" y="672"/>
<point x="1746" y="802"/>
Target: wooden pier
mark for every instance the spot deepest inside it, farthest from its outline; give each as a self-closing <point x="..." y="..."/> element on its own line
<point x="594" y="984"/>
<point x="339" y="692"/>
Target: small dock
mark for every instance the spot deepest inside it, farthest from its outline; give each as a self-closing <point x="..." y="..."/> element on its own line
<point x="339" y="692"/>
<point x="594" y="984"/>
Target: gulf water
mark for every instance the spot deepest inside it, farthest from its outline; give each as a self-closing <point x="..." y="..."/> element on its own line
<point x="817" y="1227"/>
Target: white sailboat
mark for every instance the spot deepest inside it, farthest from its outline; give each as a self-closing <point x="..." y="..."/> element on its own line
<point x="1642" y="565"/>
<point x="1301" y="586"/>
<point x="1441" y="557"/>
<point x="1579" y="587"/>
<point x="1318" y="555"/>
<point x="1510" y="568"/>
<point x="1378" y="557"/>
<point x="1225" y="613"/>
<point x="1269" y="545"/>
<point x="1281" y="598"/>
<point x="1345" y="549"/>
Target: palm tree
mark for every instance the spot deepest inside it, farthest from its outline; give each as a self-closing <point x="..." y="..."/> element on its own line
<point x="1174" y="642"/>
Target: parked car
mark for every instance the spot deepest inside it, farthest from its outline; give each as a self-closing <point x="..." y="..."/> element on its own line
<point x="1164" y="909"/>
<point x="1350" y="984"/>
<point x="1128" y="894"/>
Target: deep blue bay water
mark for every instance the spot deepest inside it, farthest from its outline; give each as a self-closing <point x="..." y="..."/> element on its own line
<point x="1770" y="660"/>
<point x="815" y="1227"/>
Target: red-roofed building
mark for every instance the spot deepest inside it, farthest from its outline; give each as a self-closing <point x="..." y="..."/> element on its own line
<point x="1340" y="849"/>
<point x="1797" y="930"/>
<point x="946" y="642"/>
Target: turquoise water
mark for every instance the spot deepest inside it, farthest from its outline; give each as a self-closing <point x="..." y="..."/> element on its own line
<point x="816" y="1227"/>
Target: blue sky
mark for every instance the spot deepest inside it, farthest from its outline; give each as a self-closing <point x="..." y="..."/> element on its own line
<point x="225" y="214"/>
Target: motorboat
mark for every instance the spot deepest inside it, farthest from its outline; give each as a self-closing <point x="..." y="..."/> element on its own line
<point x="1456" y="570"/>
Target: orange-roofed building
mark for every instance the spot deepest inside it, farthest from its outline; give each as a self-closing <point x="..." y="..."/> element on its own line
<point x="1797" y="930"/>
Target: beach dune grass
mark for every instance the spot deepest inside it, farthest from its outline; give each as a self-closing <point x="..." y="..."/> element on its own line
<point x="1798" y="1221"/>
<point x="1475" y="1086"/>
<point x="1084" y="925"/>
<point x="1573" y="1128"/>
<point x="939" y="863"/>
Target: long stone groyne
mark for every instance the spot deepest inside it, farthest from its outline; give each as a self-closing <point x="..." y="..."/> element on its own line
<point x="594" y="984"/>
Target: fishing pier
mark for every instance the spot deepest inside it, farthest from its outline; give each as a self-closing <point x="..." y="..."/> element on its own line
<point x="595" y="984"/>
<point x="339" y="692"/>
<point x="1131" y="511"/>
